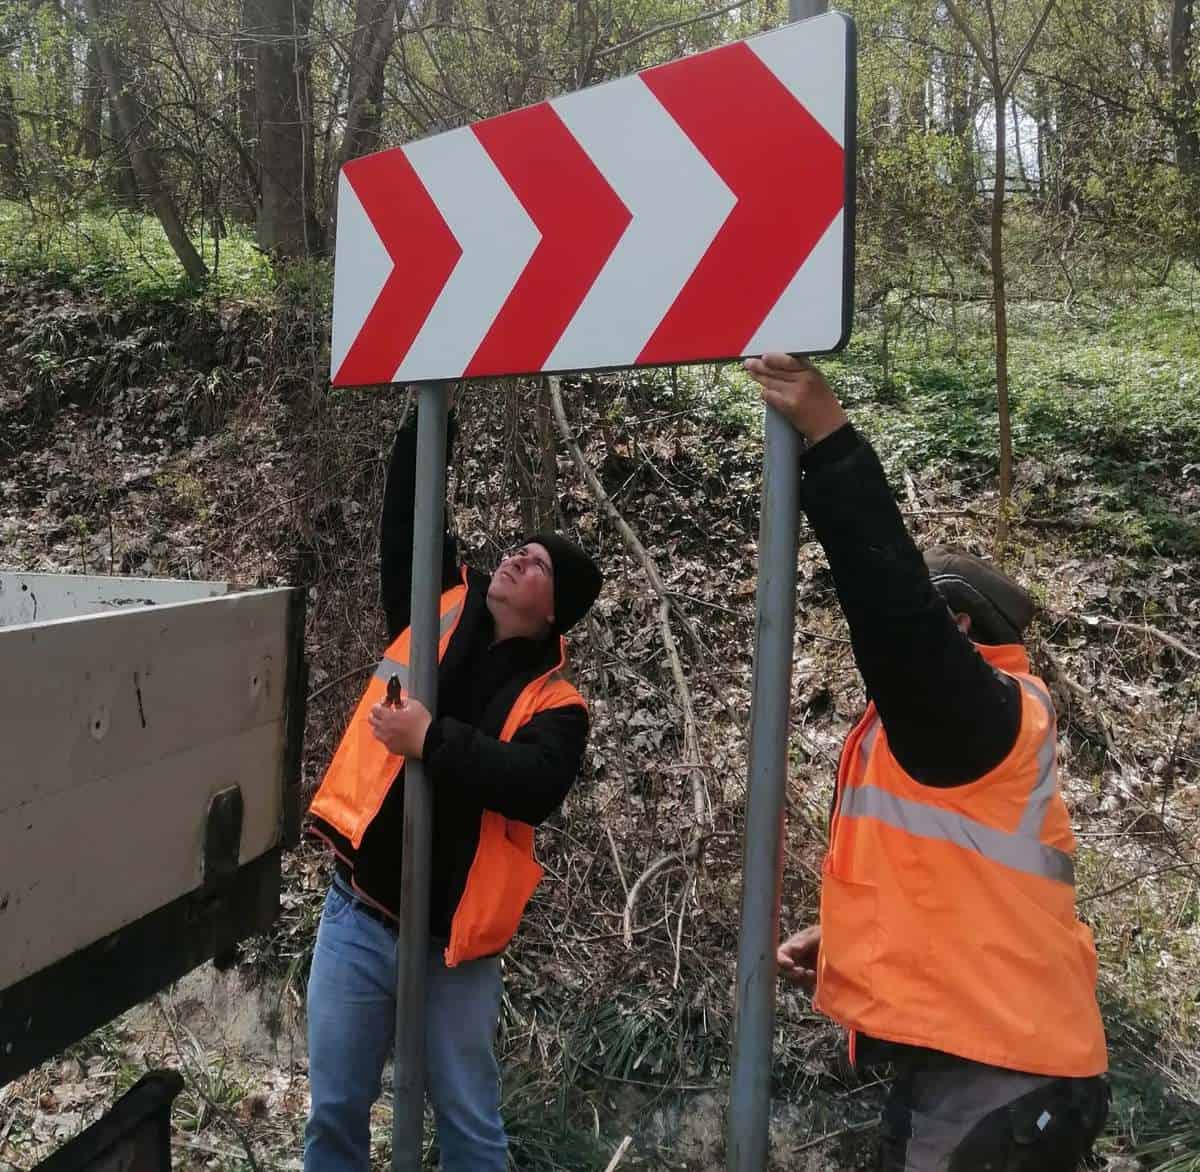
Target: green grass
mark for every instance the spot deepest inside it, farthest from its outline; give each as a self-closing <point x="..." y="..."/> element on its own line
<point x="125" y="254"/>
<point x="1106" y="399"/>
<point x="1128" y="388"/>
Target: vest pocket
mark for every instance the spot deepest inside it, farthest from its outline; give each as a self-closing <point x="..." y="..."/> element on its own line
<point x="500" y="883"/>
<point x="850" y="946"/>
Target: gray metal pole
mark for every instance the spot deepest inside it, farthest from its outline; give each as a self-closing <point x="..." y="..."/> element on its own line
<point x="408" y="1077"/>
<point x="775" y="626"/>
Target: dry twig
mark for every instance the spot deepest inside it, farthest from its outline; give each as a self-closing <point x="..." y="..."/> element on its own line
<point x="619" y="1154"/>
<point x="1125" y="625"/>
<point x="673" y="859"/>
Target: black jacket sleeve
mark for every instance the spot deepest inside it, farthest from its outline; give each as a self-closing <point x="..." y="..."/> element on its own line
<point x="396" y="529"/>
<point x="525" y="779"/>
<point x="950" y="717"/>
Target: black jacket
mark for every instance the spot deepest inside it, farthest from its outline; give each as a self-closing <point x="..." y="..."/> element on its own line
<point x="525" y="779"/>
<point x="950" y="717"/>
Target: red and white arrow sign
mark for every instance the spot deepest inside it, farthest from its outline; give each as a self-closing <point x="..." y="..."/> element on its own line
<point x="694" y="211"/>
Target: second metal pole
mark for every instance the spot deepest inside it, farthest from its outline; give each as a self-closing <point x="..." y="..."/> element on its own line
<point x="748" y="1125"/>
<point x="408" y="1071"/>
<point x="775" y="625"/>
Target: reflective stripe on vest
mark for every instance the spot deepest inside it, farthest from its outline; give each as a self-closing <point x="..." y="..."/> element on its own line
<point x="393" y="667"/>
<point x="1018" y="851"/>
<point x="1022" y="850"/>
<point x="1047" y="781"/>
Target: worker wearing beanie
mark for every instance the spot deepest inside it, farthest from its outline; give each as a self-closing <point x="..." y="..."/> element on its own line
<point x="948" y="941"/>
<point x="503" y="751"/>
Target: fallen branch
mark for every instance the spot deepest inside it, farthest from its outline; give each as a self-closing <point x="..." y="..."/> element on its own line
<point x="354" y="671"/>
<point x="1086" y="699"/>
<point x="619" y="1154"/>
<point x="688" y="886"/>
<point x="850" y="1129"/>
<point x="823" y="638"/>
<point x="673" y="859"/>
<point x="1184" y="866"/>
<point x="612" y="842"/>
<point x="1141" y="628"/>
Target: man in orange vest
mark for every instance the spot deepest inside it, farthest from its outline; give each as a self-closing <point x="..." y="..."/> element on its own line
<point x="505" y="748"/>
<point x="948" y="943"/>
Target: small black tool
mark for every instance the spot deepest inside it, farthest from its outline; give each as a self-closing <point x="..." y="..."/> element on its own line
<point x="395" y="695"/>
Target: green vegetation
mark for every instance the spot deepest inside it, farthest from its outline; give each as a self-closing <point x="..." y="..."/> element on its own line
<point x="123" y="255"/>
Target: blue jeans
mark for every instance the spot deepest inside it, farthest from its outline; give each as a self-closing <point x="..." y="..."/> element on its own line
<point x="351" y="1021"/>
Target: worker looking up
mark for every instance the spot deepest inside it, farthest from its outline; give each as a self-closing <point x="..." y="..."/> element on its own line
<point x="500" y="756"/>
<point x="948" y="942"/>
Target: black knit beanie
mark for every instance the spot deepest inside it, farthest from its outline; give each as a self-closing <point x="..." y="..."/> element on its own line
<point x="1000" y="608"/>
<point x="577" y="580"/>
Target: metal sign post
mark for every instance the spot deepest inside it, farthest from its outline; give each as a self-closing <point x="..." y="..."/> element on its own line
<point x="408" y="1071"/>
<point x="775" y="625"/>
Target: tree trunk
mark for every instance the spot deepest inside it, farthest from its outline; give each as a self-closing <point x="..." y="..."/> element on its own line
<point x="1070" y="148"/>
<point x="1043" y="141"/>
<point x="1026" y="186"/>
<point x="1001" y="316"/>
<point x="130" y="129"/>
<point x="533" y="452"/>
<point x="244" y="54"/>
<point x="287" y="226"/>
<point x="12" y="179"/>
<point x="65" y="87"/>
<point x="374" y="35"/>
<point x="960" y="119"/>
<point x="123" y="179"/>
<point x="1187" y="107"/>
<point x="915" y="95"/>
<point x="91" y="111"/>
<point x="548" y="447"/>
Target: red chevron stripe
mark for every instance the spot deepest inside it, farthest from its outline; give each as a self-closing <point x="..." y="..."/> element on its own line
<point x="787" y="174"/>
<point x="423" y="251"/>
<point x="580" y="218"/>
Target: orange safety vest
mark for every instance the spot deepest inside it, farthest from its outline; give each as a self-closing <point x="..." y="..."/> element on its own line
<point x="948" y="914"/>
<point x="504" y="872"/>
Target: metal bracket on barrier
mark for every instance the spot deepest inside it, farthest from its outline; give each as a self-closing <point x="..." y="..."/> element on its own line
<point x="222" y="840"/>
<point x="222" y="847"/>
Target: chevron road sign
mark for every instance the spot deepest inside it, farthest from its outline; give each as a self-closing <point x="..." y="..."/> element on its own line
<point x="698" y="210"/>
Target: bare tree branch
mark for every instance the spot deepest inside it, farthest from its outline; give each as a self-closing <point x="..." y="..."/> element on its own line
<point x="670" y="26"/>
<point x="959" y="19"/>
<point x="1023" y="56"/>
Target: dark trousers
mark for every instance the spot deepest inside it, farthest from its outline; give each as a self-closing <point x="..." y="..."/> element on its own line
<point x="951" y="1115"/>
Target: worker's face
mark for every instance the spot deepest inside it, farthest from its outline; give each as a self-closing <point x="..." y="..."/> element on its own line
<point x="524" y="583"/>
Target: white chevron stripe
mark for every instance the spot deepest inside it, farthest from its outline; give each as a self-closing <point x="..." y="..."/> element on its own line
<point x="808" y="315"/>
<point x="361" y="267"/>
<point x="678" y="203"/>
<point x="497" y="238"/>
<point x="809" y="57"/>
